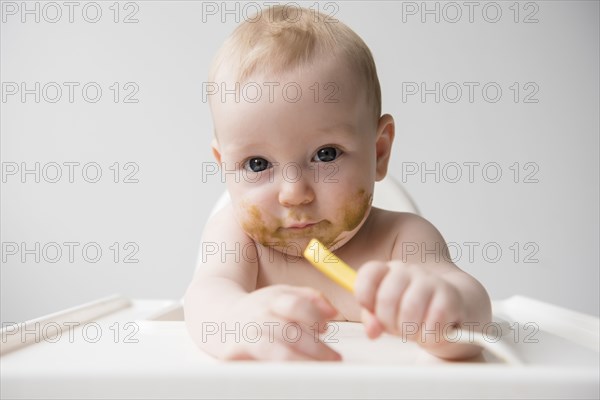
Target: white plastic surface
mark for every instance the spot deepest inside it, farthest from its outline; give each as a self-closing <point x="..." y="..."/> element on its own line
<point x="164" y="363"/>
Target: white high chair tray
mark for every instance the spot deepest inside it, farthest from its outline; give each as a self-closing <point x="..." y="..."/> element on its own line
<point x="96" y="360"/>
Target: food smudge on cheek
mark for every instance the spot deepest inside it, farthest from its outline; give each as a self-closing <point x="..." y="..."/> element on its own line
<point x="351" y="215"/>
<point x="255" y="226"/>
<point x="355" y="210"/>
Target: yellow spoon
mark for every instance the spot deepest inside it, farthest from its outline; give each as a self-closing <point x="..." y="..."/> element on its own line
<point x="329" y="264"/>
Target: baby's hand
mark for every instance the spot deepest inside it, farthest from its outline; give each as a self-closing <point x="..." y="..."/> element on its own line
<point x="290" y="318"/>
<point x="407" y="300"/>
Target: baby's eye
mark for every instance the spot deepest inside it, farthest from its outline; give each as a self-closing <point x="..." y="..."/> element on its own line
<point x="327" y="154"/>
<point x="257" y="164"/>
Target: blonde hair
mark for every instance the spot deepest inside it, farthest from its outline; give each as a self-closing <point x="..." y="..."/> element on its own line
<point x="281" y="37"/>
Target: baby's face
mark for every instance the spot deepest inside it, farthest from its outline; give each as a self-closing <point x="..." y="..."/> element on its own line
<point x="303" y="168"/>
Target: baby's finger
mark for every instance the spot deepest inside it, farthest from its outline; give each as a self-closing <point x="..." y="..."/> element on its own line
<point x="372" y="325"/>
<point x="309" y="344"/>
<point x="307" y="311"/>
<point x="264" y="350"/>
<point x="389" y="296"/>
<point x="444" y="309"/>
<point x="317" y="299"/>
<point x="367" y="283"/>
<point x="287" y="341"/>
<point x="414" y="305"/>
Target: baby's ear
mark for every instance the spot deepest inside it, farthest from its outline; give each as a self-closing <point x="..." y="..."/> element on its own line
<point x="383" y="145"/>
<point x="215" y="150"/>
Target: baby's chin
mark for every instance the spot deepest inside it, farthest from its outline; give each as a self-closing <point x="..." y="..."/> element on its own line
<point x="293" y="246"/>
<point x="296" y="247"/>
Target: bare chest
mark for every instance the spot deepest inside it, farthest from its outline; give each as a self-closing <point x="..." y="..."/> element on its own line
<point x="277" y="268"/>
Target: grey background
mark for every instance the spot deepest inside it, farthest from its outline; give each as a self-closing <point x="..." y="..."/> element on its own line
<point x="168" y="132"/>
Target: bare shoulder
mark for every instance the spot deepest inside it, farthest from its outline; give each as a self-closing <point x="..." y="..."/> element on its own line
<point x="415" y="239"/>
<point x="226" y="251"/>
<point x="407" y="229"/>
<point x="406" y="225"/>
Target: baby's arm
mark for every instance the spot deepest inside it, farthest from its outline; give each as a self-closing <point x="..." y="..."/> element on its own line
<point x="421" y="293"/>
<point x="222" y="297"/>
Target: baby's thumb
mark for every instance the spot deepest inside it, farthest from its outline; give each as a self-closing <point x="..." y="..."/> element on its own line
<point x="372" y="325"/>
<point x="325" y="306"/>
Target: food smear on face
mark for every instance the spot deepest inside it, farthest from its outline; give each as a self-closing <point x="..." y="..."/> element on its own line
<point x="270" y="231"/>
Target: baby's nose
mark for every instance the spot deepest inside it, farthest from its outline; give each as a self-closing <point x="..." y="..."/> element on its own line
<point x="295" y="192"/>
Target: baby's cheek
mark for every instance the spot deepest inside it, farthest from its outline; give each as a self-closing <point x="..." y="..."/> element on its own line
<point x="253" y="222"/>
<point x="354" y="210"/>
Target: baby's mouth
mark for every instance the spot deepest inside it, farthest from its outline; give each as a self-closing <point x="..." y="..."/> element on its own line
<point x="298" y="234"/>
<point x="300" y="225"/>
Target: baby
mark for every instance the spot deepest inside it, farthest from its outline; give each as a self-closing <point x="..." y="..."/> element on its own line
<point x="299" y="133"/>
